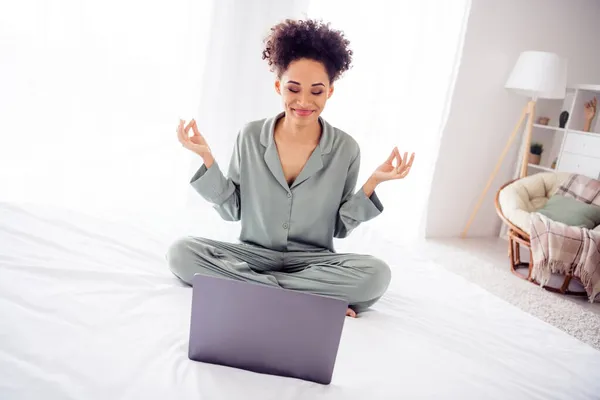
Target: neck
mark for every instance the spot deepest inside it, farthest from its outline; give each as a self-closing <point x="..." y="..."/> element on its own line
<point x="310" y="133"/>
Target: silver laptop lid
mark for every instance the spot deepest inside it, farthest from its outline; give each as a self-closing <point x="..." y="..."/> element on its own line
<point x="265" y="329"/>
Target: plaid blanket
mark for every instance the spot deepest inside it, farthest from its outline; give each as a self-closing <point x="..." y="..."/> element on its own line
<point x="581" y="188"/>
<point x="568" y="250"/>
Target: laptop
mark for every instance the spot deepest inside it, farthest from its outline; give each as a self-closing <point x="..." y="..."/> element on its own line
<point x="265" y="329"/>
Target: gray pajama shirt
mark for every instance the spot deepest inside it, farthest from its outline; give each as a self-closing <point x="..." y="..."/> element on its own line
<point x="287" y="231"/>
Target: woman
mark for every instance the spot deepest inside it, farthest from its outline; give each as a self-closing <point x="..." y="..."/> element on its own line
<point x="291" y="181"/>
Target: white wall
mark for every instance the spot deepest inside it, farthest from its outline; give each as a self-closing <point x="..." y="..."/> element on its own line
<point x="483" y="113"/>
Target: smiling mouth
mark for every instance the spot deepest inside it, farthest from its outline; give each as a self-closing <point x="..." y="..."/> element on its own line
<point x="302" y="113"/>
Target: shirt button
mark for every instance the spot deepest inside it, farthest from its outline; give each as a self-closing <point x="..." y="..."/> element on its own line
<point x="285" y="225"/>
<point x="289" y="195"/>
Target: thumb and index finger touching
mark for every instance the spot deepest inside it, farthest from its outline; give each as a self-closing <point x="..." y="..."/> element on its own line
<point x="403" y="161"/>
<point x="196" y="142"/>
<point x="183" y="131"/>
<point x="191" y="125"/>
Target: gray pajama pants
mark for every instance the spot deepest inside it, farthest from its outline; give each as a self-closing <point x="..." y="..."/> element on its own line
<point x="359" y="279"/>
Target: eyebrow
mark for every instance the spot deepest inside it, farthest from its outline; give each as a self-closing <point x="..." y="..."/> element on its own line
<point x="314" y="84"/>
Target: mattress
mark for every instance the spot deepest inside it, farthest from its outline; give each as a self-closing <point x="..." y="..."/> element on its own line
<point x="90" y="311"/>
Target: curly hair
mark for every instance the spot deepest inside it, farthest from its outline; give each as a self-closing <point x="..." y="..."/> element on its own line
<point x="291" y="40"/>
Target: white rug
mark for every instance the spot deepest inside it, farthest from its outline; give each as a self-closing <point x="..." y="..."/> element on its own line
<point x="484" y="262"/>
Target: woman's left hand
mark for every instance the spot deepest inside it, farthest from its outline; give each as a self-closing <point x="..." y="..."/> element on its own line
<point x="388" y="171"/>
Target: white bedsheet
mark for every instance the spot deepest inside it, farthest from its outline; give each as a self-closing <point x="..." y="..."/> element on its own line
<point x="88" y="310"/>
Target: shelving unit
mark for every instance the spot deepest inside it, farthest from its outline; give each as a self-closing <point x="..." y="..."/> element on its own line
<point x="572" y="149"/>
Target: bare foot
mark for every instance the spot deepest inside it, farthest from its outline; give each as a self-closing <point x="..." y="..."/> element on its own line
<point x="350" y="313"/>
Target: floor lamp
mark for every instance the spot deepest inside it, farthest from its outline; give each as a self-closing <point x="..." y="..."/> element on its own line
<point x="537" y="75"/>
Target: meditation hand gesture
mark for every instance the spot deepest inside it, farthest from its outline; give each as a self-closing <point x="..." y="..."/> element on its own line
<point x="387" y="171"/>
<point x="196" y="142"/>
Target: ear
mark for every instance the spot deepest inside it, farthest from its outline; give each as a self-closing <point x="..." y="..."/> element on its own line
<point x="278" y="86"/>
<point x="330" y="92"/>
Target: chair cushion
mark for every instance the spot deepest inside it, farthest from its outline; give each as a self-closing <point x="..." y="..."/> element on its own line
<point x="526" y="195"/>
<point x="572" y="212"/>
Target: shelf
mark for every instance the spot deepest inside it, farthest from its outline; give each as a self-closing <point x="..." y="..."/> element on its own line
<point x="591" y="88"/>
<point x="584" y="132"/>
<point x="551" y="128"/>
<point x="535" y="166"/>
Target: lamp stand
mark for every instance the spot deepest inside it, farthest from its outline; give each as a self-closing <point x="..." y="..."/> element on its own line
<point x="528" y="111"/>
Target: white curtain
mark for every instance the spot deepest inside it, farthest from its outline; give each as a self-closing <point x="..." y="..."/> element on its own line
<point x="406" y="53"/>
<point x="237" y="85"/>
<point x="91" y="92"/>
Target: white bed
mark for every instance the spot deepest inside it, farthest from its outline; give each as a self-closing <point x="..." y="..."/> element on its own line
<point x="88" y="310"/>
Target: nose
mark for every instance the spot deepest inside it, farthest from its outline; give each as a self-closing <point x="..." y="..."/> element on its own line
<point x="304" y="100"/>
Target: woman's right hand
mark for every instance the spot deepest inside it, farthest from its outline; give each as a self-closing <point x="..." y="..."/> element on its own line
<point x="196" y="142"/>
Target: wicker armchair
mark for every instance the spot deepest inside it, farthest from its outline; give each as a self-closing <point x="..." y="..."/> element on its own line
<point x="514" y="202"/>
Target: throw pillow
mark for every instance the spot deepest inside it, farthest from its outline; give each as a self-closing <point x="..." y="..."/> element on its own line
<point x="572" y="212"/>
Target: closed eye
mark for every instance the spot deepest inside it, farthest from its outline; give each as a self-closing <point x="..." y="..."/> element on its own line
<point x="298" y="91"/>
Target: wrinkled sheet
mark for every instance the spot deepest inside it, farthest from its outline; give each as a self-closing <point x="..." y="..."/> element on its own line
<point x="88" y="310"/>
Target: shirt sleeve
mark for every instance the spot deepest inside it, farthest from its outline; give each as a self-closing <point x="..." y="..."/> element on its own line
<point x="355" y="208"/>
<point x="223" y="192"/>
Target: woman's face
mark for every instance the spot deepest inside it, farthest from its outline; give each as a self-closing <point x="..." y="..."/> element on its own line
<point x="304" y="88"/>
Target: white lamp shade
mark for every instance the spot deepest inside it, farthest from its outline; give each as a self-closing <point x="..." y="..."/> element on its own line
<point x="539" y="74"/>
